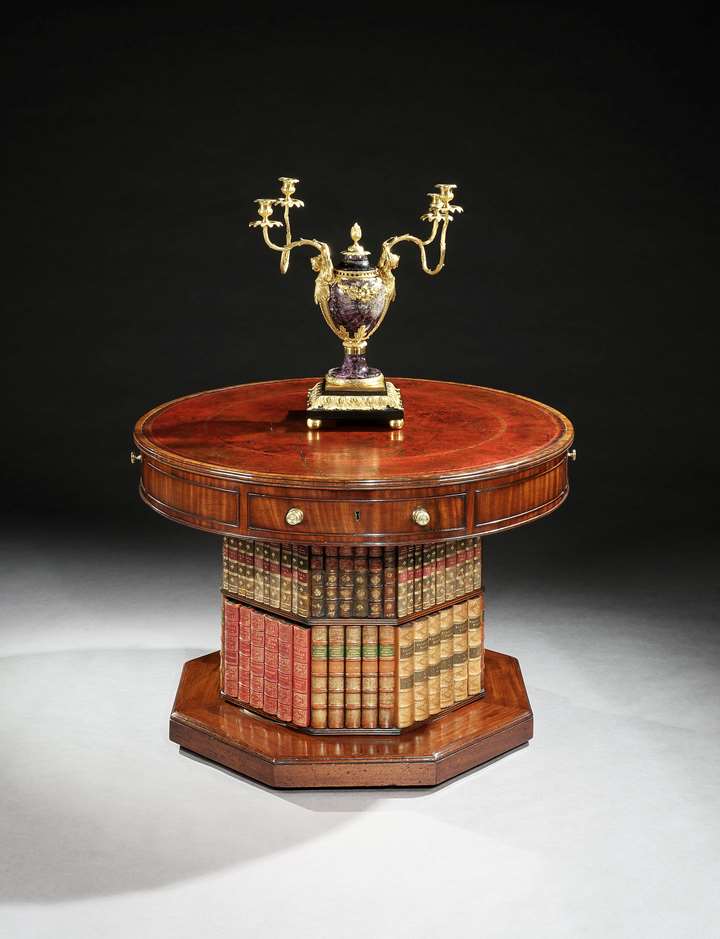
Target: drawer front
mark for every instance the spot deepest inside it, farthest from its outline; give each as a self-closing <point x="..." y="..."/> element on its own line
<point x="356" y="517"/>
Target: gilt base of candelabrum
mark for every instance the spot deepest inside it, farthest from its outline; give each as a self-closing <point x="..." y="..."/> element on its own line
<point x="372" y="400"/>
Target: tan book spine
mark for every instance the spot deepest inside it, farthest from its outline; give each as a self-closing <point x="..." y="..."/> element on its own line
<point x="336" y="676"/>
<point x="405" y="658"/>
<point x="417" y="579"/>
<point x="450" y="565"/>
<point x="477" y="563"/>
<point x="440" y="573"/>
<point x="475" y="645"/>
<point x="460" y="651"/>
<point x="420" y="677"/>
<point x="353" y="675"/>
<point x="428" y="578"/>
<point x="331" y="582"/>
<point x="386" y="676"/>
<point x="319" y="677"/>
<point x="286" y="578"/>
<point x="402" y="581"/>
<point x="360" y="583"/>
<point x="317" y="581"/>
<point x="274" y="553"/>
<point x="447" y="696"/>
<point x="375" y="583"/>
<point x="259" y="571"/>
<point x="369" y="676"/>
<point x="390" y="582"/>
<point x="433" y="667"/>
<point x="345" y="590"/>
<point x="234" y="566"/>
<point x="226" y="564"/>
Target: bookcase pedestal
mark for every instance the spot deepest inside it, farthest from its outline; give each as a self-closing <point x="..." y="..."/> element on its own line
<point x="381" y="678"/>
<point x="265" y="750"/>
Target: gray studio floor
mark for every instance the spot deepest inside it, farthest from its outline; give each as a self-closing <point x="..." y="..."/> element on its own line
<point x="605" y="825"/>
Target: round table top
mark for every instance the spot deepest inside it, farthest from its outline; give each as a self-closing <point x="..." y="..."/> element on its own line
<point x="257" y="432"/>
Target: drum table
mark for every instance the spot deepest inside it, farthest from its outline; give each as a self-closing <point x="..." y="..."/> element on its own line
<point x="353" y="649"/>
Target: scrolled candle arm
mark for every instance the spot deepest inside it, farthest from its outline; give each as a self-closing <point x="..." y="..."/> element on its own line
<point x="440" y="214"/>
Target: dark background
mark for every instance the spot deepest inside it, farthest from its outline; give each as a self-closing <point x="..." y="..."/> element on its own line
<point x="580" y="139"/>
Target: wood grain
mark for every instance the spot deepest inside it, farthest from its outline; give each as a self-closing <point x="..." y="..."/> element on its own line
<point x="278" y="756"/>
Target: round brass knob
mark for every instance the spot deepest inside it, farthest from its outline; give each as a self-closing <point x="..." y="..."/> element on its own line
<point x="572" y="455"/>
<point x="294" y="516"/>
<point x="421" y="516"/>
<point x="135" y="457"/>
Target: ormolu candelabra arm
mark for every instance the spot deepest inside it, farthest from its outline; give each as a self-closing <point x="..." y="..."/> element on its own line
<point x="440" y="212"/>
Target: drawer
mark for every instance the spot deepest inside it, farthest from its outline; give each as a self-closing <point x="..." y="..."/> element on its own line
<point x="356" y="516"/>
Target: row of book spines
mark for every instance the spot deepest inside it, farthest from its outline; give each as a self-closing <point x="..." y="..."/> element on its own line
<point x="352" y="677"/>
<point x="265" y="663"/>
<point x="352" y="582"/>
<point x="439" y="661"/>
<point x="428" y="575"/>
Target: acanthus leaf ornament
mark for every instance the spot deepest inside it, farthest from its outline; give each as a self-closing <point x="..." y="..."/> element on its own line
<point x="354" y="298"/>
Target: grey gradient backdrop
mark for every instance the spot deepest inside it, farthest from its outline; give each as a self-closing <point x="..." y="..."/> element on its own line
<point x="579" y="274"/>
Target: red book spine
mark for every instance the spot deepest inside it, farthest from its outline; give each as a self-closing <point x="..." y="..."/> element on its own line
<point x="230" y="648"/>
<point x="285" y="671"/>
<point x="270" y="683"/>
<point x="257" y="658"/>
<point x="243" y="653"/>
<point x="301" y="676"/>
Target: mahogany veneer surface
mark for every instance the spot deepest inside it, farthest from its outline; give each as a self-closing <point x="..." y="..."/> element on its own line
<point x="272" y="753"/>
<point x="233" y="461"/>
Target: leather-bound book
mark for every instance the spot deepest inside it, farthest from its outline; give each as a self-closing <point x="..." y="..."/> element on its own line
<point x="417" y="579"/>
<point x="347" y="574"/>
<point x="447" y="694"/>
<point x="319" y="677"/>
<point x="331" y="582"/>
<point x="257" y="659"/>
<point x="469" y="564"/>
<point x="267" y="564"/>
<point x="461" y="561"/>
<point x="317" y="581"/>
<point x="244" y="644"/>
<point x="301" y="676"/>
<point x="402" y="581"/>
<point x="440" y="573"/>
<point x="420" y="677"/>
<point x="246" y="559"/>
<point x="353" y="675"/>
<point x="233" y="566"/>
<point x="386" y="676"/>
<point x="259" y="572"/>
<point x="433" y="666"/>
<point x="389" y="582"/>
<point x="226" y="564"/>
<point x="375" y="583"/>
<point x="285" y="671"/>
<point x="274" y="574"/>
<point x="405" y="658"/>
<point x="295" y="581"/>
<point x="477" y="563"/>
<point x="360" y="583"/>
<point x="303" y="560"/>
<point x="475" y="645"/>
<point x="428" y="576"/>
<point x="369" y="676"/>
<point x="450" y="565"/>
<point x="230" y="648"/>
<point x="336" y="676"/>
<point x="460" y="651"/>
<point x="270" y="685"/>
<point x="286" y="578"/>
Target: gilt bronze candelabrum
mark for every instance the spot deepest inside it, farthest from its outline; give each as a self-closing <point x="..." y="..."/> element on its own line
<point x="354" y="298"/>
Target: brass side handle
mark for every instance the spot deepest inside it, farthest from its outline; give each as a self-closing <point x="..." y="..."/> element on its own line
<point x="135" y="457"/>
<point x="421" y="516"/>
<point x="294" y="516"/>
<point x="572" y="455"/>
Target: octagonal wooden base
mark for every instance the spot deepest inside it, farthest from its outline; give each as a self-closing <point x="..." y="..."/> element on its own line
<point x="278" y="756"/>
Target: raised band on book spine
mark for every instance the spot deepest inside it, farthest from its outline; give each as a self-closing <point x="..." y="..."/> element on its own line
<point x="433" y="663"/>
<point x="420" y="676"/>
<point x="319" y="677"/>
<point x="447" y="694"/>
<point x="230" y="660"/>
<point x="301" y="676"/>
<point x="336" y="676"/>
<point x="386" y="676"/>
<point x="270" y="684"/>
<point x="353" y="675"/>
<point x="405" y="657"/>
<point x="285" y="671"/>
<point x="460" y="652"/>
<point x="244" y="644"/>
<point x="369" y="676"/>
<point x="475" y="645"/>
